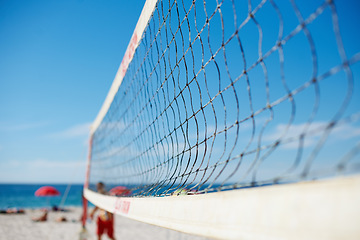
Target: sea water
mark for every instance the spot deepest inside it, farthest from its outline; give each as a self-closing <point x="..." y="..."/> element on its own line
<point x="23" y="196"/>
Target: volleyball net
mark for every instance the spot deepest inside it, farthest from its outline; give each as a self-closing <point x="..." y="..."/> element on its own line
<point x="221" y="95"/>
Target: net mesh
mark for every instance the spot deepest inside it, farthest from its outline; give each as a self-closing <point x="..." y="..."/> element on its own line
<point x="230" y="94"/>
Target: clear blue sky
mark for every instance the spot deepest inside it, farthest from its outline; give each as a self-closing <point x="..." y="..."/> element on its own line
<point x="59" y="58"/>
<point x="57" y="62"/>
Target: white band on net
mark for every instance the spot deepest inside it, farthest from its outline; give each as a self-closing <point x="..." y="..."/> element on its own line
<point x="326" y="209"/>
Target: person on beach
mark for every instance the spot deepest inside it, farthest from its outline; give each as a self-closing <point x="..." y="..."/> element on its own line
<point x="105" y="220"/>
<point x="42" y="218"/>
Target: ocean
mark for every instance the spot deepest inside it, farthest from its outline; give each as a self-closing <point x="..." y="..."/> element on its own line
<point x="23" y="196"/>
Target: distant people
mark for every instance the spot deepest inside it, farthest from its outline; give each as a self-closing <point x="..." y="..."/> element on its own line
<point x="105" y="220"/>
<point x="55" y="208"/>
<point x="61" y="219"/>
<point x="42" y="218"/>
<point x="12" y="211"/>
<point x="58" y="209"/>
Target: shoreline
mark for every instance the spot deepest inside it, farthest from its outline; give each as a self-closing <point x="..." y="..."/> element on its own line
<point x="20" y="226"/>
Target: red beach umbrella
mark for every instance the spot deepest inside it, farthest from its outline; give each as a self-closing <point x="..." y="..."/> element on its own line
<point x="120" y="191"/>
<point x="47" y="191"/>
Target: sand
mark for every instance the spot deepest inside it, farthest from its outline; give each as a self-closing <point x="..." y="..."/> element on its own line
<point x="21" y="227"/>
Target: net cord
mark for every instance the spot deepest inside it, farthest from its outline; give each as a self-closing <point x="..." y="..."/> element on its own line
<point x="291" y="211"/>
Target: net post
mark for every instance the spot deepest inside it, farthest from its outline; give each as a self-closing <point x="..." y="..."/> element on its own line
<point x="86" y="184"/>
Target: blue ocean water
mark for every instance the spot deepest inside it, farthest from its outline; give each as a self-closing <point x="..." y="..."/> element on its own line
<point x="23" y="196"/>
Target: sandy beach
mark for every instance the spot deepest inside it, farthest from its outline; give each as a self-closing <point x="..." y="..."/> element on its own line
<point x="21" y="227"/>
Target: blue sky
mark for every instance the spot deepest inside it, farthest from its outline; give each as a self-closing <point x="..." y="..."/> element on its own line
<point x="59" y="58"/>
<point x="57" y="62"/>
